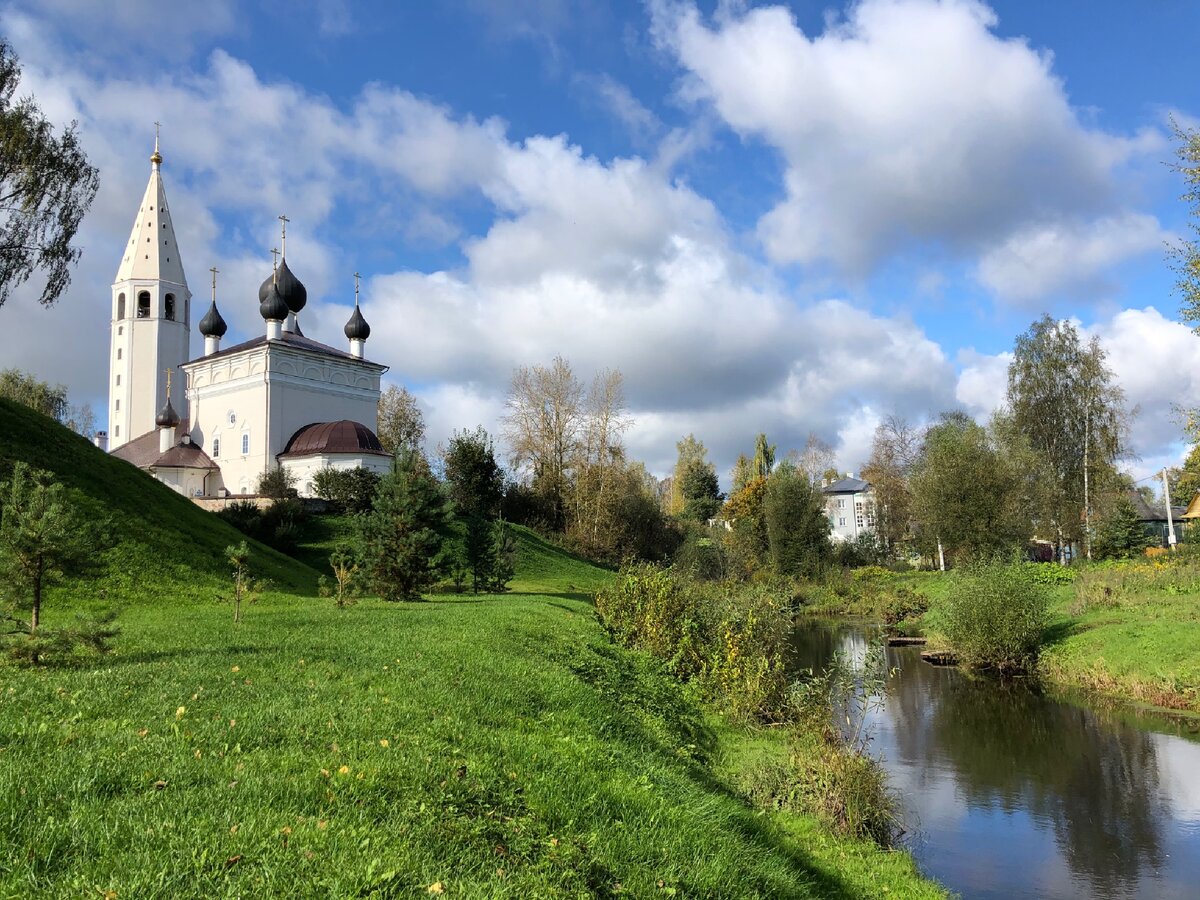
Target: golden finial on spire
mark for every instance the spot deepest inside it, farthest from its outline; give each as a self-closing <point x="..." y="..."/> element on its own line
<point x="157" y="157"/>
<point x="283" y="222"/>
<point x="274" y="263"/>
<point x="214" y="271"/>
<point x="356" y="277"/>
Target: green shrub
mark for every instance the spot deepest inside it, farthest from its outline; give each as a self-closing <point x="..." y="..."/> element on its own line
<point x="1051" y="574"/>
<point x="900" y="604"/>
<point x="872" y="573"/>
<point x="728" y="638"/>
<point x="994" y="615"/>
<point x="650" y="608"/>
<point x="351" y="490"/>
<point x="744" y="672"/>
<point x="279" y="525"/>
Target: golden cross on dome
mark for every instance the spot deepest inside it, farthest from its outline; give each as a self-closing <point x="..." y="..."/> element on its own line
<point x="168" y="371"/>
<point x="274" y="261"/>
<point x="214" y="271"/>
<point x="356" y="277"/>
<point x="283" y="223"/>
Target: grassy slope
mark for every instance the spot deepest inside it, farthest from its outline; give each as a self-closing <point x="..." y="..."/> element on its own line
<point x="497" y="746"/>
<point x="154" y="535"/>
<point x="1148" y="651"/>
<point x="1144" y="648"/>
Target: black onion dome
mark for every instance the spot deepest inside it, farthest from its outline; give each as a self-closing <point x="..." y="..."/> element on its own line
<point x="293" y="292"/>
<point x="272" y="308"/>
<point x="212" y="325"/>
<point x="357" y="328"/>
<point x="167" y="417"/>
<point x="265" y="287"/>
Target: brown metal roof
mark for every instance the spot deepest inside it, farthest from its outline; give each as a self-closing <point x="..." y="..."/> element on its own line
<point x="142" y="451"/>
<point x="342" y="436"/>
<point x="184" y="456"/>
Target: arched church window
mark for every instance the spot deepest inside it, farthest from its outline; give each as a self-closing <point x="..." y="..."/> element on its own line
<point x="169" y="307"/>
<point x="245" y="443"/>
<point x="118" y="353"/>
<point x="143" y="309"/>
<point x="118" y="377"/>
<point x="120" y="306"/>
<point x="216" y="447"/>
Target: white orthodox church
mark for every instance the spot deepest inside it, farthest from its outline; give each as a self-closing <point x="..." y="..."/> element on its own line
<point x="211" y="426"/>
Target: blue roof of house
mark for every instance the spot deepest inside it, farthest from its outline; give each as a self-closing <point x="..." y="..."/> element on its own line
<point x="846" y="486"/>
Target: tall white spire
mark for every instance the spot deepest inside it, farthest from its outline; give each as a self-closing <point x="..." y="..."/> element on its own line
<point x="151" y="318"/>
<point x="152" y="252"/>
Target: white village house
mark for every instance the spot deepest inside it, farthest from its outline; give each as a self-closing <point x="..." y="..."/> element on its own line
<point x="850" y="505"/>
<point x="211" y="426"/>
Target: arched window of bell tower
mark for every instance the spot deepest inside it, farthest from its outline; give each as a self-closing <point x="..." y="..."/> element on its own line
<point x="120" y="306"/>
<point x="143" y="305"/>
<point x="169" y="308"/>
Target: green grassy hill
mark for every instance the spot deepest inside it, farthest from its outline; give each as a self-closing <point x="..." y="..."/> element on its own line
<point x="492" y="746"/>
<point x="155" y="536"/>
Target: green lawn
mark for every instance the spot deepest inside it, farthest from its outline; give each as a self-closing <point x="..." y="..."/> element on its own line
<point x="493" y="746"/>
<point x="499" y="746"/>
<point x="1140" y="639"/>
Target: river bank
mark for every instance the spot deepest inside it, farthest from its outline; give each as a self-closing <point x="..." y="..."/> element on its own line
<point x="1008" y="790"/>
<point x="1127" y="630"/>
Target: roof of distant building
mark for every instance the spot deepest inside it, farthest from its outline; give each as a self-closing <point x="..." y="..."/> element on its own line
<point x="1156" y="512"/>
<point x="289" y="338"/>
<point x="342" y="436"/>
<point x="143" y="450"/>
<point x="184" y="455"/>
<point x="847" y="486"/>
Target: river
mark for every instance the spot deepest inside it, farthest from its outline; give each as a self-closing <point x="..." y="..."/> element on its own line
<point x="1007" y="791"/>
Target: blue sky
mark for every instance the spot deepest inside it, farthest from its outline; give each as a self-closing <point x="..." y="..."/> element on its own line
<point x="788" y="219"/>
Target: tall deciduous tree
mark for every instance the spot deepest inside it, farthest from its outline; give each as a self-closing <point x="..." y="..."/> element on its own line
<point x="41" y="396"/>
<point x="1063" y="398"/>
<point x="894" y="450"/>
<point x="46" y="187"/>
<point x="692" y="452"/>
<point x="966" y="493"/>
<point x="544" y="427"/>
<point x="797" y="528"/>
<point x="764" y="457"/>
<point x="815" y="458"/>
<point x="1185" y="253"/>
<point x="400" y="423"/>
<point x="474" y="478"/>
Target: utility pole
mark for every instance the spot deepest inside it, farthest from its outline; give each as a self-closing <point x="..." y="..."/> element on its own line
<point x="1087" y="504"/>
<point x="1167" y="500"/>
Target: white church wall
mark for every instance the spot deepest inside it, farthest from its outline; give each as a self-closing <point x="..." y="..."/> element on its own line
<point x="189" y="482"/>
<point x="304" y="468"/>
<point x="260" y="397"/>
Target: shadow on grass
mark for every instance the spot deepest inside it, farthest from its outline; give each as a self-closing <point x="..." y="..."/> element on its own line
<point x="660" y="719"/>
<point x="151" y="656"/>
<point x="1058" y="632"/>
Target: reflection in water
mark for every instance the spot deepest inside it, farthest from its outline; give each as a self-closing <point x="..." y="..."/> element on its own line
<point x="1012" y="793"/>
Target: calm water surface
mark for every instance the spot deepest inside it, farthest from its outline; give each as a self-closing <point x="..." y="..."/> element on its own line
<point x="1008" y="792"/>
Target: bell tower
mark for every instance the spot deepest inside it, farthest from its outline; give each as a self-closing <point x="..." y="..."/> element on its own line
<point x="151" y="312"/>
